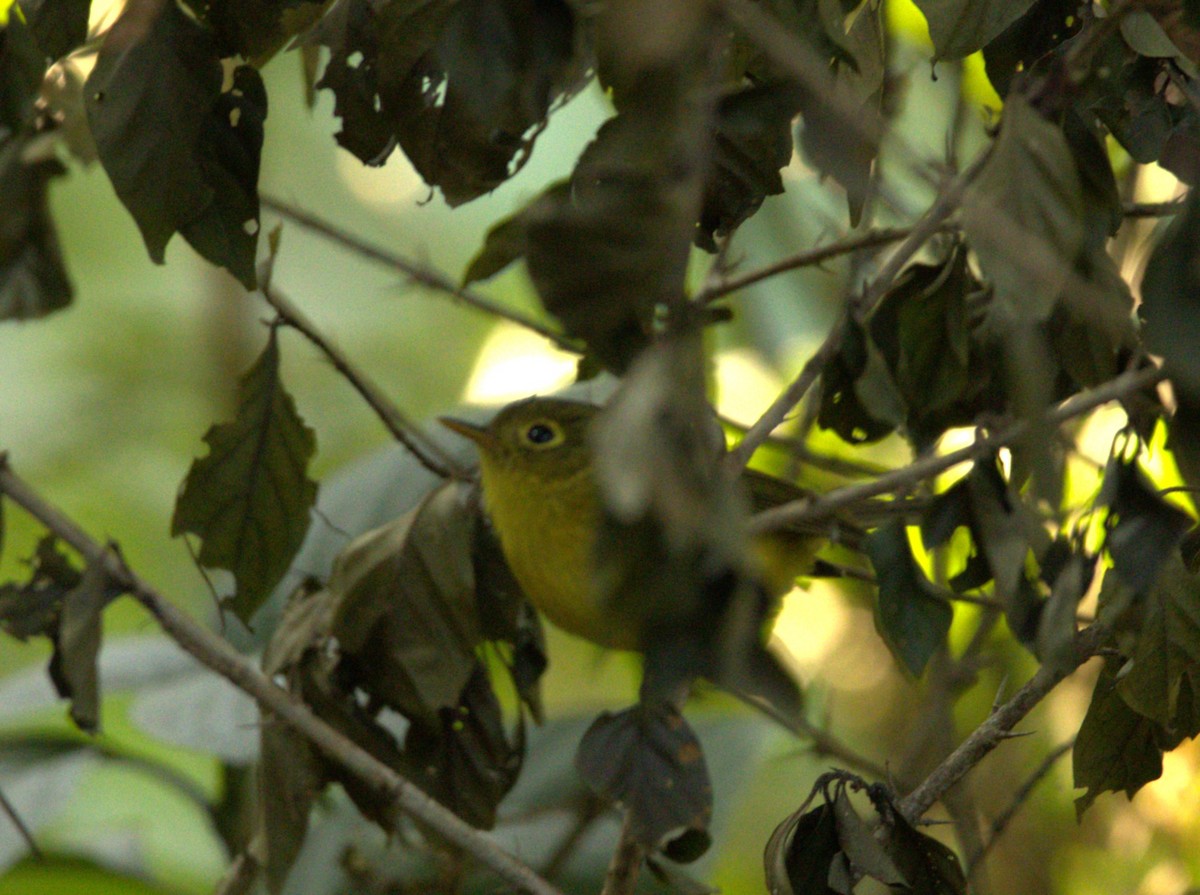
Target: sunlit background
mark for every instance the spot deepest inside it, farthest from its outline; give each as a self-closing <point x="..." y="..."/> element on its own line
<point x="103" y="407"/>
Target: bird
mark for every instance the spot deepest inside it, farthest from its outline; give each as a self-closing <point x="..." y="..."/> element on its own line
<point x="541" y="496"/>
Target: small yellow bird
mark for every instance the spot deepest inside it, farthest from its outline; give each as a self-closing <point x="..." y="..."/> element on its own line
<point x="541" y="495"/>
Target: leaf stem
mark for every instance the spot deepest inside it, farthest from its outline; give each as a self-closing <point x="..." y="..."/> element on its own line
<point x="626" y="863"/>
<point x="220" y="657"/>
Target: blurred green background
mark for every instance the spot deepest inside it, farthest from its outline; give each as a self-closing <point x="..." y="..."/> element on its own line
<point x="103" y="406"/>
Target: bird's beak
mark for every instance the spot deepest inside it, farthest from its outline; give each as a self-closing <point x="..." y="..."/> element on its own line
<point x="478" y="434"/>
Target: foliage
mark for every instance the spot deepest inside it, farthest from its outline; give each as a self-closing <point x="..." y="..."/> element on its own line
<point x="1005" y="307"/>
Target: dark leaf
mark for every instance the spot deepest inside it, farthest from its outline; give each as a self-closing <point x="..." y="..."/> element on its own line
<point x="1023" y="214"/>
<point x="999" y="530"/>
<point x="1045" y="25"/>
<point x="610" y="248"/>
<point x="1144" y="530"/>
<point x="855" y="378"/>
<point x="1055" y="644"/>
<point x="800" y="853"/>
<point x="960" y="27"/>
<point x="505" y="243"/>
<point x="33" y="608"/>
<point x="864" y="852"/>
<point x="928" y="866"/>
<point x="22" y="67"/>
<point x="290" y="778"/>
<point x="255" y="29"/>
<point x="58" y="25"/>
<point x="1125" y="97"/>
<point x="77" y="644"/>
<point x="465" y="758"/>
<point x="405" y="611"/>
<point x="1170" y="308"/>
<point x="753" y="141"/>
<point x="33" y="278"/>
<point x="1183" y="436"/>
<point x="1167" y="650"/>
<point x="464" y="88"/>
<point x="1116" y="747"/>
<point x="911" y="618"/>
<point x="182" y="156"/>
<point x="249" y="499"/>
<point x="947" y="512"/>
<point x="648" y="759"/>
<point x="1101" y="199"/>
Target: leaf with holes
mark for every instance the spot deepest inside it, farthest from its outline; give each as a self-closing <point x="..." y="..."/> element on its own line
<point x="182" y="156"/>
<point x="648" y="759"/>
<point x="249" y="499"/>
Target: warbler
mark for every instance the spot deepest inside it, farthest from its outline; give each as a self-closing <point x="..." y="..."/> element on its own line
<point x="541" y="496"/>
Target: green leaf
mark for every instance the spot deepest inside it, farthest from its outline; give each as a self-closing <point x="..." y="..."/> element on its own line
<point x="647" y="759"/>
<point x="1023" y="214"/>
<point x="1167" y="648"/>
<point x="290" y="777"/>
<point x="1055" y="644"/>
<point x="800" y="853"/>
<point x="843" y="408"/>
<point x="911" y="618"/>
<point x="1170" y="308"/>
<point x="505" y="243"/>
<point x="249" y="499"/>
<point x="999" y="530"/>
<point x="864" y="852"/>
<point x="1144" y="530"/>
<point x="960" y="27"/>
<point x="1116" y="748"/>
<point x="182" y="156"/>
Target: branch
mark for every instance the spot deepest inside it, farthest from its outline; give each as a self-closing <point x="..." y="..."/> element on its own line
<point x="866" y="240"/>
<point x="18" y="823"/>
<point x="1152" y="209"/>
<point x="1019" y="798"/>
<point x="219" y="656"/>
<point x="997" y="727"/>
<point x="626" y="863"/>
<point x="403" y="429"/>
<point x="812" y="509"/>
<point x="422" y="274"/>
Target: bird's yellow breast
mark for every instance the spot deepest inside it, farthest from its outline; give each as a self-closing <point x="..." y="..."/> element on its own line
<point x="547" y="530"/>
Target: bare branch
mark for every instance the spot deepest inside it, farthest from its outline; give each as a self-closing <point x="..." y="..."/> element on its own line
<point x="219" y="656"/>
<point x="816" y="508"/>
<point x="404" y="429"/>
<point x="1019" y="798"/>
<point x="996" y="728"/>
<point x="421" y="274"/>
<point x="14" y="816"/>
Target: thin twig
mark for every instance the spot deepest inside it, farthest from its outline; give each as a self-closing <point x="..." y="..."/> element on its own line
<point x="996" y="729"/>
<point x="219" y="656"/>
<point x="815" y="508"/>
<point x="405" y="430"/>
<point x="17" y="821"/>
<point x="422" y="274"/>
<point x="1019" y="798"/>
<point x="626" y="863"/>
<point x="853" y="243"/>
<point x="1152" y="209"/>
<point x="590" y="809"/>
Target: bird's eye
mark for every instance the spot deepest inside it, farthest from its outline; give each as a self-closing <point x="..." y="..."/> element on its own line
<point x="543" y="435"/>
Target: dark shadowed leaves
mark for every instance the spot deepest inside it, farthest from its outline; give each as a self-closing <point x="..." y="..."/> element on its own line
<point x="290" y="778"/>
<point x="33" y="278"/>
<point x="1116" y="748"/>
<point x="58" y="25"/>
<point x="1144" y="530"/>
<point x="752" y="142"/>
<point x="800" y="853"/>
<point x="464" y="88"/>
<point x="249" y="499"/>
<point x="505" y="243"/>
<point x="1023" y="214"/>
<point x="1045" y="25"/>
<point x="647" y="759"/>
<point x="860" y="400"/>
<point x="182" y="156"/>
<point x="927" y="866"/>
<point x="1055" y="641"/>
<point x="960" y="27"/>
<point x="255" y="29"/>
<point x="404" y="597"/>
<point x="912" y="619"/>
<point x="1170" y="307"/>
<point x="1167" y="651"/>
